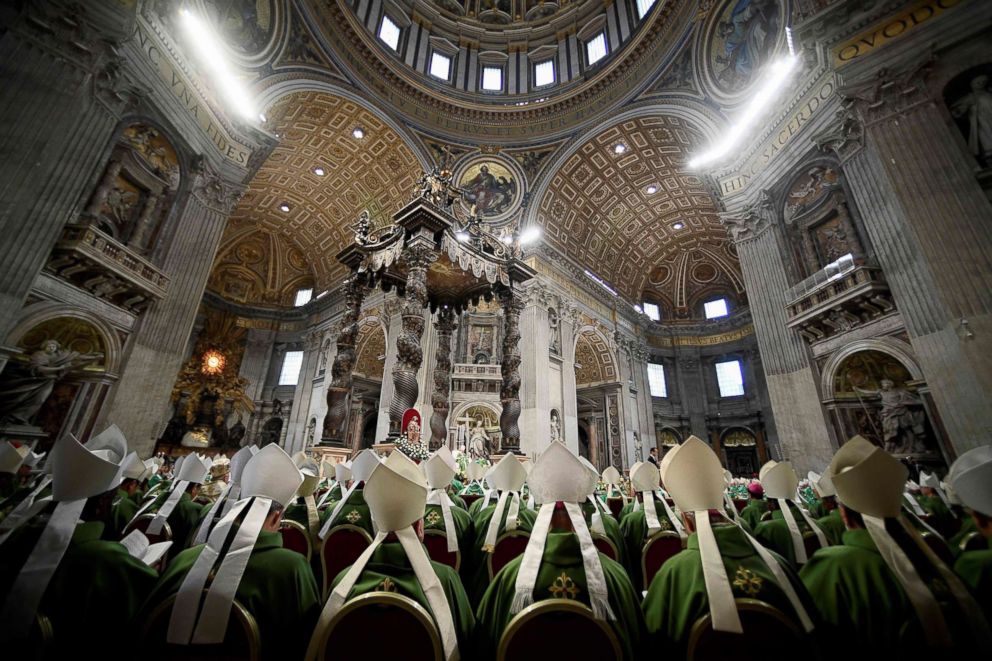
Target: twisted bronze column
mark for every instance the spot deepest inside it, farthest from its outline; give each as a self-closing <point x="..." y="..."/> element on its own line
<point x="445" y="324"/>
<point x="513" y="305"/>
<point x="335" y="428"/>
<point x="409" y="354"/>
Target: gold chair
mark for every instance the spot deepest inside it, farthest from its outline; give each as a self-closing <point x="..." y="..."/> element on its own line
<point x="436" y="543"/>
<point x="769" y="635"/>
<point x="509" y="545"/>
<point x="973" y="541"/>
<point x="557" y="628"/>
<point x="340" y="549"/>
<point x="412" y="634"/>
<point x="242" y="640"/>
<point x="296" y="538"/>
<point x="657" y="550"/>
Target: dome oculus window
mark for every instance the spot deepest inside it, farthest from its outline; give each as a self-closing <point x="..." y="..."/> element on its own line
<point x="643" y="7"/>
<point x="389" y="33"/>
<point x="544" y="73"/>
<point x="596" y="49"/>
<point x="492" y="79"/>
<point x="440" y="66"/>
<point x="715" y="309"/>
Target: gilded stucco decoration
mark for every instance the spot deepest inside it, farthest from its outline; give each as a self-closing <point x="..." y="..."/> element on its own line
<point x="72" y="334"/>
<point x="639" y="218"/>
<point x="593" y="360"/>
<point x="371" y="347"/>
<point x="316" y="131"/>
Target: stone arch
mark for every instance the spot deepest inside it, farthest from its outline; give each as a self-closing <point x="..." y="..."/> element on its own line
<point x="600" y="365"/>
<point x="371" y="344"/>
<point x="49" y="314"/>
<point x="897" y="349"/>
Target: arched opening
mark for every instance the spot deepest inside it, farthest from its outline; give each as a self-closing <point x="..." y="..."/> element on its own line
<point x="740" y="449"/>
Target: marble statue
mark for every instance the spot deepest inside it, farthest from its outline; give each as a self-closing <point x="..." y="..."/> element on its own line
<point x="902" y="428"/>
<point x="21" y="397"/>
<point x="977" y="107"/>
<point x="413" y="430"/>
<point x="556" y="427"/>
<point x="478" y="441"/>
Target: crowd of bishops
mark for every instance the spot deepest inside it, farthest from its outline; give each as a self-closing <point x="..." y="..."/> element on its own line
<point x="264" y="555"/>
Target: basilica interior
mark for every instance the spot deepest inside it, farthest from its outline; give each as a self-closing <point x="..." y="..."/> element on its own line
<point x="614" y="225"/>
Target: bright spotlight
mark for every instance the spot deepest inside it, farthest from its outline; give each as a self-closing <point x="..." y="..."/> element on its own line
<point x="206" y="43"/>
<point x="530" y="235"/>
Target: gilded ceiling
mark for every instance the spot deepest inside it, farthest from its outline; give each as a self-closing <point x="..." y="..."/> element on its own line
<point x="638" y="219"/>
<point x="316" y="133"/>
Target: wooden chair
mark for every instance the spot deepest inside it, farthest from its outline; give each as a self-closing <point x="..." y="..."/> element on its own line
<point x="436" y="543"/>
<point x="296" y="538"/>
<point x="605" y="546"/>
<point x="769" y="635"/>
<point x="616" y="506"/>
<point x="973" y="541"/>
<point x="811" y="543"/>
<point x="557" y="628"/>
<point x="659" y="548"/>
<point x="399" y="626"/>
<point x="340" y="549"/>
<point x="241" y="642"/>
<point x="509" y="545"/>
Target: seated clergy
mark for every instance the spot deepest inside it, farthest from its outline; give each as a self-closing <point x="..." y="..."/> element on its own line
<point x="474" y="472"/>
<point x="971" y="479"/>
<point x="55" y="562"/>
<point x="442" y="513"/>
<point x="228" y="497"/>
<point x="830" y="522"/>
<point x="396" y="561"/>
<point x="334" y="481"/>
<point x="176" y="507"/>
<point x="720" y="563"/>
<point x="785" y="532"/>
<point x="883" y="589"/>
<point x="651" y="514"/>
<point x="124" y="508"/>
<point x="352" y="508"/>
<point x="598" y="516"/>
<point x="508" y="513"/>
<point x="489" y="492"/>
<point x="275" y="584"/>
<point x="934" y="502"/>
<point x="756" y="505"/>
<point x="304" y="509"/>
<point x="560" y="562"/>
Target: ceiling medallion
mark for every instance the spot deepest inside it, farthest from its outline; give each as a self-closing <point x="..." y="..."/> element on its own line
<point x="491" y="186"/>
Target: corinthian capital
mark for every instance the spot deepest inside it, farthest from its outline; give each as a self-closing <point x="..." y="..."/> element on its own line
<point x="210" y="189"/>
<point x="750" y="221"/>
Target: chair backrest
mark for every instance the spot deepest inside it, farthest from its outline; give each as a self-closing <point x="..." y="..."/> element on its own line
<point x="436" y="542"/>
<point x="973" y="541"/>
<point x="142" y="522"/>
<point x="412" y="634"/>
<point x="605" y="546"/>
<point x="616" y="506"/>
<point x="557" y="628"/>
<point x="811" y="543"/>
<point x="242" y="640"/>
<point x="768" y="635"/>
<point x="740" y="504"/>
<point x="508" y="546"/>
<point x="657" y="550"/>
<point x="295" y="537"/>
<point x="340" y="549"/>
<point x="470" y="498"/>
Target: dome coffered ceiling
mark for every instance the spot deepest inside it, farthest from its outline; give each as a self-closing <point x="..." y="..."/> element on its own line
<point x="321" y="176"/>
<point x="624" y="206"/>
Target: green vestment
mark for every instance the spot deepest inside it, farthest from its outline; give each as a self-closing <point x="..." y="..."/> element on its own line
<point x="975" y="569"/>
<point x="677" y="595"/>
<point x="940" y="517"/>
<point x="475" y="566"/>
<point x="967" y="527"/>
<point x="123" y="511"/>
<point x="611" y="527"/>
<point x="184" y="519"/>
<point x="355" y="512"/>
<point x="634" y="530"/>
<point x="753" y="511"/>
<point x="774" y="534"/>
<point x="464" y="529"/>
<point x="561" y="576"/>
<point x="277" y="588"/>
<point x="832" y="526"/>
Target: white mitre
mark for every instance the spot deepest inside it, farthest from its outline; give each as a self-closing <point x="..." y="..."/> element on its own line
<point x="780" y="481"/>
<point x="507" y="476"/>
<point x="342" y="472"/>
<point x="11" y="456"/>
<point x="971" y="478"/>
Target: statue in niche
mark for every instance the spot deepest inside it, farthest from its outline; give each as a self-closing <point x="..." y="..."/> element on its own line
<point x="555" y="327"/>
<point x="362" y="228"/>
<point x="22" y="396"/>
<point x="976" y="106"/>
<point x="835" y="243"/>
<point x="478" y="441"/>
<point x="902" y="418"/>
<point x="556" y="427"/>
<point x="270" y="432"/>
<point x="237" y="434"/>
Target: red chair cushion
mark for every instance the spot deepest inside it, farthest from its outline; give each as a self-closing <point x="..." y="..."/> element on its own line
<point x="470" y="498"/>
<point x="506" y="550"/>
<point x="405" y="638"/>
<point x="340" y="550"/>
<point x="605" y="548"/>
<point x="559" y="635"/>
<point x="294" y="540"/>
<point x="663" y="549"/>
<point x="437" y="549"/>
<point x="616" y="506"/>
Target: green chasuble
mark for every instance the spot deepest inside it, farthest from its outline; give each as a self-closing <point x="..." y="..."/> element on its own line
<point x="753" y="511"/>
<point x="389" y="570"/>
<point x="458" y="500"/>
<point x="475" y="566"/>
<point x="627" y="509"/>
<point x="476" y="507"/>
<point x="277" y="588"/>
<point x="967" y="527"/>
<point x="861" y="602"/>
<point x="473" y="489"/>
<point x="355" y="512"/>
<point x="677" y="595"/>
<point x="298" y="512"/>
<point x="975" y="569"/>
<point x="183" y="520"/>
<point x="464" y="529"/>
<point x="832" y="526"/>
<point x="774" y="534"/>
<point x="336" y="494"/>
<point x="940" y="517"/>
<point x="816" y="509"/>
<point x="634" y="530"/>
<point x="561" y="576"/>
<point x="611" y="527"/>
<point x="123" y="511"/>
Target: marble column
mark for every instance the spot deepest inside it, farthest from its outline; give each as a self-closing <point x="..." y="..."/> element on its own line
<point x="298" y="416"/>
<point x="569" y="397"/>
<point x="534" y="369"/>
<point x="513" y="304"/>
<point x="255" y="361"/>
<point x="339" y="390"/>
<point x="441" y="395"/>
<point x="929" y="222"/>
<point x="409" y="352"/>
<point x="139" y="402"/>
<point x="63" y="94"/>
<point x="645" y="409"/>
<point x="392" y="308"/>
<point x="789" y="373"/>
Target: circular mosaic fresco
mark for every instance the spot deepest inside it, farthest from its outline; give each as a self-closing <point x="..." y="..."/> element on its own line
<point x="489" y="185"/>
<point x="742" y="36"/>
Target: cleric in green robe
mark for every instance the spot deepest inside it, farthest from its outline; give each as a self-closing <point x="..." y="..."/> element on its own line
<point x="648" y="518"/>
<point x="970" y="478"/>
<point x="465" y="531"/>
<point x="439" y="469"/>
<point x="185" y="516"/>
<point x="863" y="600"/>
<point x="276" y="585"/>
<point x="352" y="510"/>
<point x="756" y="505"/>
<point x="780" y="481"/>
<point x="611" y="528"/>
<point x="397" y="494"/>
<point x="558" y="568"/>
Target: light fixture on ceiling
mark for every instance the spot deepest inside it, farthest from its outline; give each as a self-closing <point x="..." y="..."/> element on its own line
<point x="619" y="148"/>
<point x="652" y="189"/>
<point x="358" y="133"/>
<point x="319" y="171"/>
<point x="678" y="226"/>
<point x="284" y="207"/>
<point x="212" y="56"/>
<point x="530" y="235"/>
<point x="774" y="80"/>
<point x="261" y="117"/>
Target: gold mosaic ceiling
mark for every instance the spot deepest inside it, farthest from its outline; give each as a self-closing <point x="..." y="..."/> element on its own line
<point x="599" y="210"/>
<point x="315" y="129"/>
